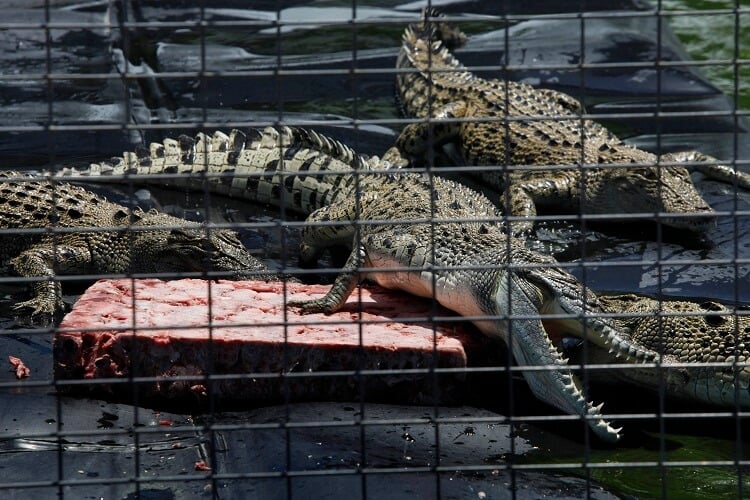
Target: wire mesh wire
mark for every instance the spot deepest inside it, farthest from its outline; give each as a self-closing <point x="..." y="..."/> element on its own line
<point x="211" y="414"/>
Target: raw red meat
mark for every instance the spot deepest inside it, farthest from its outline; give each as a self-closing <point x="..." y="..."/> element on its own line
<point x="201" y="466"/>
<point x="247" y="346"/>
<point x="22" y="371"/>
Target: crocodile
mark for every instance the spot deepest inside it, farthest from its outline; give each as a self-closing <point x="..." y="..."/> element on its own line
<point x="704" y="347"/>
<point x="52" y="228"/>
<point x="533" y="136"/>
<point x="420" y="233"/>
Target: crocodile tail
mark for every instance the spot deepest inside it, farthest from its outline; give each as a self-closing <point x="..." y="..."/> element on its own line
<point x="311" y="139"/>
<point x="448" y="33"/>
<point x="425" y="48"/>
<point x="432" y="67"/>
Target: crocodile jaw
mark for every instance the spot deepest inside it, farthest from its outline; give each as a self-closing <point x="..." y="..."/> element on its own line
<point x="532" y="346"/>
<point x="724" y="387"/>
<point x="728" y="388"/>
<point x="568" y="395"/>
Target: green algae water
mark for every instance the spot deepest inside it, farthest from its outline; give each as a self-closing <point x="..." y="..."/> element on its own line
<point x="708" y="35"/>
<point x="672" y="470"/>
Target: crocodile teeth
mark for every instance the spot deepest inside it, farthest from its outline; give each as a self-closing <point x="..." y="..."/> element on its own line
<point x="609" y="433"/>
<point x="603" y="427"/>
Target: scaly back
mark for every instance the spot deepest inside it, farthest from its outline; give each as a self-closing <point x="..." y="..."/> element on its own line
<point x="291" y="167"/>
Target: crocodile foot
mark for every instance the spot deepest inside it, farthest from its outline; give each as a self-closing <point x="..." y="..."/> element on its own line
<point x="37" y="312"/>
<point x="321" y="305"/>
<point x="395" y="158"/>
<point x="48" y="303"/>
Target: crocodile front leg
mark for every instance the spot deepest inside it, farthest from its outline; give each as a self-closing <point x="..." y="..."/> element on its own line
<point x="44" y="261"/>
<point x="529" y="189"/>
<point x="711" y="169"/>
<point x="519" y="202"/>
<point x="565" y="101"/>
<point x="417" y="139"/>
<point x="317" y="235"/>
<point x="346" y="281"/>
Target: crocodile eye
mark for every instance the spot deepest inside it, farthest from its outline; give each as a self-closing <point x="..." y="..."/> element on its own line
<point x="650" y="174"/>
<point x="711" y="306"/>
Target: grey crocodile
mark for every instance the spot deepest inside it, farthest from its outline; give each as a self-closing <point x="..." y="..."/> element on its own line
<point x="534" y="136"/>
<point x="704" y="346"/>
<point x="51" y="228"/>
<point x="422" y="234"/>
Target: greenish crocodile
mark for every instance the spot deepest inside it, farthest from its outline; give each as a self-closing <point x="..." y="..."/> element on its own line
<point x="705" y="347"/>
<point x="538" y="134"/>
<point x="51" y="228"/>
<point x="422" y="234"/>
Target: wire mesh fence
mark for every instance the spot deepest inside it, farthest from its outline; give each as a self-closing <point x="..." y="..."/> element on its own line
<point x="458" y="344"/>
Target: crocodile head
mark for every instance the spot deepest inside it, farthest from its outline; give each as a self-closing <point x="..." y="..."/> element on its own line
<point x="550" y="304"/>
<point x="195" y="249"/>
<point x="664" y="190"/>
<point x="713" y="339"/>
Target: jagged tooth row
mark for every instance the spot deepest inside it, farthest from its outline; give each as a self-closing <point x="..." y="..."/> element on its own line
<point x="627" y="350"/>
<point x="603" y="428"/>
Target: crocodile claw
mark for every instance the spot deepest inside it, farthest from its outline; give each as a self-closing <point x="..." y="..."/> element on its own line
<point x="38" y="306"/>
<point x="33" y="313"/>
<point x="311" y="306"/>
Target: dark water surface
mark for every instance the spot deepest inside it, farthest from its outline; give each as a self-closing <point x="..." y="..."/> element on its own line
<point x="308" y="64"/>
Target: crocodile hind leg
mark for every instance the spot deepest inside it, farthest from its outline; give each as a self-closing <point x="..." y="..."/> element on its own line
<point x="521" y="204"/>
<point x="711" y="168"/>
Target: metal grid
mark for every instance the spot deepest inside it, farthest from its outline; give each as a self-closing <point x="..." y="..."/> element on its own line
<point x="87" y="81"/>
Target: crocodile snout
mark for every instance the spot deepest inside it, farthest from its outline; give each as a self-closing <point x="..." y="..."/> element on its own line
<point x="698" y="221"/>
